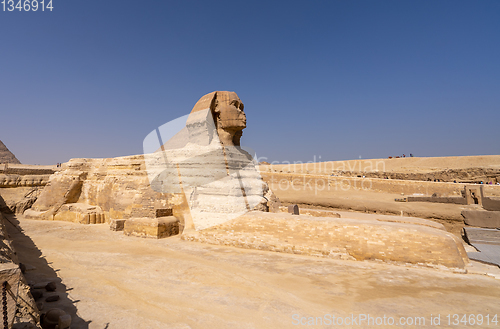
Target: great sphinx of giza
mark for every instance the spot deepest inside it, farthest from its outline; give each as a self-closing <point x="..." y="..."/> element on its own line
<point x="205" y="164"/>
<point x="193" y="166"/>
<point x="195" y="169"/>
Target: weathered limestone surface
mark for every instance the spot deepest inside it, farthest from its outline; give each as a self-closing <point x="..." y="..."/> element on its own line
<point x="217" y="183"/>
<point x="481" y="211"/>
<point x="13" y="180"/>
<point x="80" y="213"/>
<point x="481" y="218"/>
<point x="313" y="212"/>
<point x="21" y="184"/>
<point x="293" y="209"/>
<point x="117" y="224"/>
<point x="115" y="188"/>
<point x="437" y="199"/>
<point x="334" y="183"/>
<point x="338" y="238"/>
<point x="491" y="204"/>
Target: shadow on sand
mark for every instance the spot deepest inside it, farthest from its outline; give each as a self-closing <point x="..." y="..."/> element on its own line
<point x="29" y="254"/>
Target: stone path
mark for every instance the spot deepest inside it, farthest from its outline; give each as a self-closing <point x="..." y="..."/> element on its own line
<point x="487" y="242"/>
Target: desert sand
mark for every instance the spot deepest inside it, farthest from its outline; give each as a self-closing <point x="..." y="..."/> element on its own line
<point x="109" y="280"/>
<point x="407" y="164"/>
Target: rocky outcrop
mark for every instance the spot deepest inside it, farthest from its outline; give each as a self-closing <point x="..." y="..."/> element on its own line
<point x="21" y="206"/>
<point x="417" y="242"/>
<point x="18" y="199"/>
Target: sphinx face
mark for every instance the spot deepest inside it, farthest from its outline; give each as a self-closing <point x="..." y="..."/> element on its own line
<point x="231" y="115"/>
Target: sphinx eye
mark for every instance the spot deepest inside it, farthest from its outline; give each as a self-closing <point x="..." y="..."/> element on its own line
<point x="241" y="106"/>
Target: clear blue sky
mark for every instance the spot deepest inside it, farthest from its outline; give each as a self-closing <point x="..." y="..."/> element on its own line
<point x="336" y="79"/>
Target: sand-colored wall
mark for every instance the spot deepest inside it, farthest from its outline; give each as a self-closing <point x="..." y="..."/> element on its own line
<point x="393" y="186"/>
<point x="469" y="169"/>
<point x="408" y="164"/>
<point x="325" y="182"/>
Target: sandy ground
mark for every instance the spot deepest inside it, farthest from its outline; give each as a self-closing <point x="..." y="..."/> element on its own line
<point x="108" y="280"/>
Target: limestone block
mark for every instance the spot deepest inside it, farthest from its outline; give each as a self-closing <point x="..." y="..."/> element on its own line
<point x="80" y="213"/>
<point x="152" y="227"/>
<point x="273" y="202"/>
<point x="117" y="224"/>
<point x="293" y="209"/>
<point x="164" y="212"/>
<point x="482" y="218"/>
<point x="491" y="204"/>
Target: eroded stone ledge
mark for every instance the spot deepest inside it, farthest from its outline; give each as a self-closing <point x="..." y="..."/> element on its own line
<point x="338" y="238"/>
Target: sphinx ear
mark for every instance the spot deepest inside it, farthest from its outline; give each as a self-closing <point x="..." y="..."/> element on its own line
<point x="216" y="106"/>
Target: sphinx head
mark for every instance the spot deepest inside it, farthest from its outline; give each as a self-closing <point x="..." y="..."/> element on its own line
<point x="227" y="112"/>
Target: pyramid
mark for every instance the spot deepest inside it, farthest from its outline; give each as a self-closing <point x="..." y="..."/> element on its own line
<point x="6" y="156"/>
